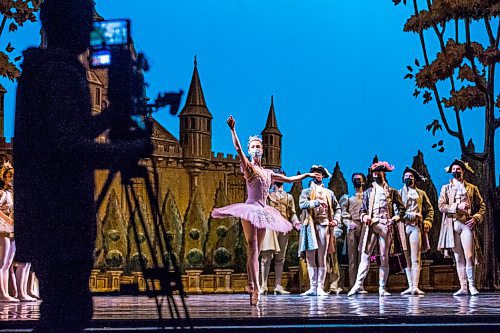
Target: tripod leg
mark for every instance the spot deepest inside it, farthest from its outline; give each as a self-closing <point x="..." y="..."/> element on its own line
<point x="159" y="228"/>
<point x="105" y="189"/>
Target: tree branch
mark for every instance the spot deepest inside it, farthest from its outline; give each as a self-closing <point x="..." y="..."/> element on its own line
<point x="457" y="134"/>
<point x="469" y="54"/>
<point x="480" y="157"/>
<point x="2" y="25"/>
<point x="490" y="31"/>
<point x="498" y="36"/>
<point x="443" y="117"/>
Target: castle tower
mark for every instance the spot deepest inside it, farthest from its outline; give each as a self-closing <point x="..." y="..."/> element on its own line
<point x="271" y="136"/>
<point x="195" y="129"/>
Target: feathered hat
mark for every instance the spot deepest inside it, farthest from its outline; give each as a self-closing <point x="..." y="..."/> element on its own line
<point x="381" y="166"/>
<point x="464" y="165"/>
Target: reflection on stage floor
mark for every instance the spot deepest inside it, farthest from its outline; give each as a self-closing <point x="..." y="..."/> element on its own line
<point x="236" y="306"/>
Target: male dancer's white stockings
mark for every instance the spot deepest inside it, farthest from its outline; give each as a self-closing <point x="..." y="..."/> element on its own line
<point x="464" y="258"/>
<point x="413" y="254"/>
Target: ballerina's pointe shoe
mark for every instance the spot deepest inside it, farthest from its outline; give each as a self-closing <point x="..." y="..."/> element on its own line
<point x="27" y="299"/>
<point x="460" y="292"/>
<point x="8" y="299"/>
<point x="254" y="298"/>
<point x="34" y="296"/>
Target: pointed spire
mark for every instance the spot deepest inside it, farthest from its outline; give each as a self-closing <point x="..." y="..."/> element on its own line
<point x="337" y="183"/>
<point x="195" y="101"/>
<point x="272" y="123"/>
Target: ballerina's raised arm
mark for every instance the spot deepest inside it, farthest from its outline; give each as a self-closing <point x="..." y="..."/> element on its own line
<point x="236" y="142"/>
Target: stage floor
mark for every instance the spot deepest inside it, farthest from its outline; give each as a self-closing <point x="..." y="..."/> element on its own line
<point x="293" y="313"/>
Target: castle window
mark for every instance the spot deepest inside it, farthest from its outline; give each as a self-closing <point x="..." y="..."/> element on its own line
<point x="208" y="124"/>
<point x="185" y="139"/>
<point x="192" y="123"/>
<point x="97" y="96"/>
<point x="271" y="140"/>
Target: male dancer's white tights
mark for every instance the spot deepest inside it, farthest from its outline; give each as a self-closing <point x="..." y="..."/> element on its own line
<point x="412" y="255"/>
<point x="464" y="257"/>
<point x="381" y="234"/>
<point x="317" y="273"/>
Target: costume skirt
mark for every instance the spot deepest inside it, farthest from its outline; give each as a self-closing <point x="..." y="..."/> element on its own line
<point x="262" y="217"/>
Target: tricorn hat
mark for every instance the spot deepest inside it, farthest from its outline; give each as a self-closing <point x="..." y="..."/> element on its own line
<point x="415" y="173"/>
<point x="462" y="164"/>
<point x="381" y="166"/>
<point x="322" y="170"/>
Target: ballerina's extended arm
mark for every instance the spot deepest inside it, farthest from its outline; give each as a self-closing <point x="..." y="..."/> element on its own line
<point x="276" y="177"/>
<point x="236" y="142"/>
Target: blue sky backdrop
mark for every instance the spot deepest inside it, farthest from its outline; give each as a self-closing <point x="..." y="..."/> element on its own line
<point x="335" y="69"/>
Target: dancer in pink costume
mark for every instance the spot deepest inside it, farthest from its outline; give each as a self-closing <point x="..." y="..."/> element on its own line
<point x="255" y="215"/>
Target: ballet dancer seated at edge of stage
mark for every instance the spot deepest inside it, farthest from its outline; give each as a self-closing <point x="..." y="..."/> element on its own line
<point x="256" y="216"/>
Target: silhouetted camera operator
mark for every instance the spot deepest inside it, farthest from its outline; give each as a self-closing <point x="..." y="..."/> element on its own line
<point x="55" y="154"/>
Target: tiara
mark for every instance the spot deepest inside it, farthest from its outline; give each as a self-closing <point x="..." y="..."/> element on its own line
<point x="254" y="138"/>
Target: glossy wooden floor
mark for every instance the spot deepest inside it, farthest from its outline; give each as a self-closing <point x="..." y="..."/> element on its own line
<point x="291" y="312"/>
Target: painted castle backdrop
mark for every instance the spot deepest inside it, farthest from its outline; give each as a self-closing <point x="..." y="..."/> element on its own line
<point x="192" y="181"/>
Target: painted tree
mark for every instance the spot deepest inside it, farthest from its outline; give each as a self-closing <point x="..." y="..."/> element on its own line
<point x="221" y="235"/>
<point x="194" y="233"/>
<point x="172" y="220"/>
<point x="459" y="78"/>
<point x="113" y="234"/>
<point x="15" y="13"/>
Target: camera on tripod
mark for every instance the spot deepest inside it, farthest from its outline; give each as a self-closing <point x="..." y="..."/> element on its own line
<point x="129" y="112"/>
<point x="111" y="48"/>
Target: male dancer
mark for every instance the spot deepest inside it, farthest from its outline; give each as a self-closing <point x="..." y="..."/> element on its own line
<point x="462" y="207"/>
<point x="416" y="222"/>
<point x="322" y="214"/>
<point x="275" y="243"/>
<point x="351" y="206"/>
<point x="379" y="215"/>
